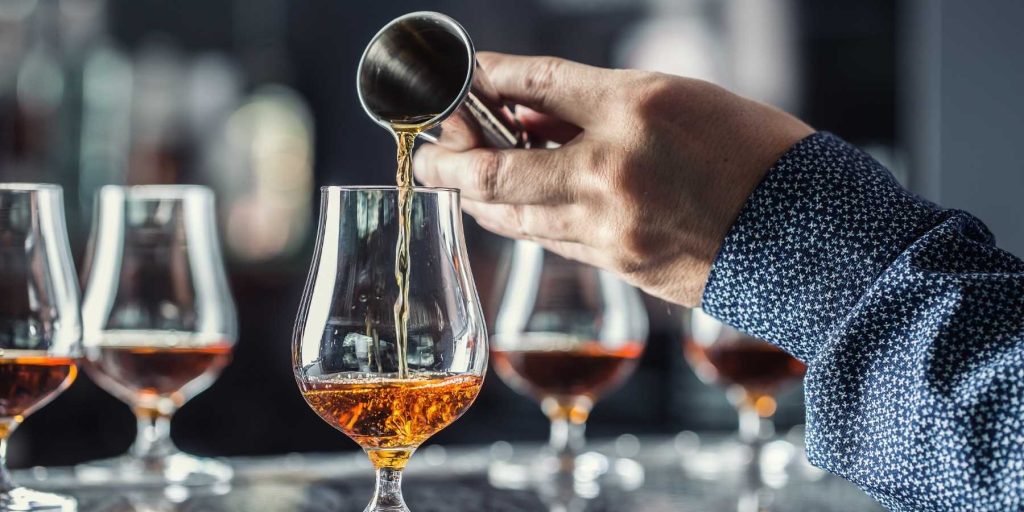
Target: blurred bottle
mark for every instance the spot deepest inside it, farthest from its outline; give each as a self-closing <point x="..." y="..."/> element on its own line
<point x="261" y="164"/>
<point x="47" y="48"/>
<point x="31" y="91"/>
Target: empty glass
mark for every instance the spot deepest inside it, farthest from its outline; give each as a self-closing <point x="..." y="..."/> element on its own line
<point x="566" y="334"/>
<point x="348" y="354"/>
<point x="40" y="324"/>
<point x="159" y="320"/>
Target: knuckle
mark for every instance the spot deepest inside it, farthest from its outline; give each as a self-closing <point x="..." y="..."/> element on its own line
<point x="632" y="238"/>
<point x="652" y="95"/>
<point x="634" y="248"/>
<point x="541" y="75"/>
<point x="605" y="167"/>
<point x="635" y="242"/>
<point x="486" y="172"/>
<point x="625" y="265"/>
<point x="625" y="182"/>
<point x="621" y="180"/>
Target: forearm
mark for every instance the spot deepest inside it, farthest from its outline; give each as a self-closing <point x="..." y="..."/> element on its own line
<point x="907" y="315"/>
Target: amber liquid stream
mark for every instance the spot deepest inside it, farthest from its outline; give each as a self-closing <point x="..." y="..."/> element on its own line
<point x="406" y="138"/>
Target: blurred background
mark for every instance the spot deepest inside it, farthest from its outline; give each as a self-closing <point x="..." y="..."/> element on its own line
<point x="256" y="98"/>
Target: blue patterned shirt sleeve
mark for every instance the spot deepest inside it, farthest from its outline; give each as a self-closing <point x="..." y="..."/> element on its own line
<point x="910" y="319"/>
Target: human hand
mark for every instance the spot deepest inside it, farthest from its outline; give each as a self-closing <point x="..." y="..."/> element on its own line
<point x="652" y="172"/>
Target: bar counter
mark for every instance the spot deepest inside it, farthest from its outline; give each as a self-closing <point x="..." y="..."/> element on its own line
<point x="653" y="478"/>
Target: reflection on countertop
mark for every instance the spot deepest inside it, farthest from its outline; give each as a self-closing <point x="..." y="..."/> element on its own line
<point x="441" y="479"/>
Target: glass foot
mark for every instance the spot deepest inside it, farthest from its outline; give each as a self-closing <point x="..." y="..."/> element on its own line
<point x="589" y="470"/>
<point x="22" y="499"/>
<point x="377" y="508"/>
<point x="178" y="469"/>
<point x="774" y="460"/>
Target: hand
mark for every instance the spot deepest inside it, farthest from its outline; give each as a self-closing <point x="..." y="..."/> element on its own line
<point x="652" y="172"/>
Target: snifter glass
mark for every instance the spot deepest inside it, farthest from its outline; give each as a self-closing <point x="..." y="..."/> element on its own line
<point x="347" y="359"/>
<point x="160" y="322"/>
<point x="566" y="334"/>
<point x="40" y="324"/>
<point x="752" y="371"/>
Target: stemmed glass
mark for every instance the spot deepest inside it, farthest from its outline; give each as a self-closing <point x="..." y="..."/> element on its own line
<point x="751" y="370"/>
<point x="348" y="362"/>
<point x="566" y="334"/>
<point x="40" y="323"/>
<point x="159" y="319"/>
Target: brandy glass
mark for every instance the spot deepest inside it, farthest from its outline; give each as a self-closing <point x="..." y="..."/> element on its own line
<point x="159" y="320"/>
<point x="565" y="334"/>
<point x="751" y="371"/>
<point x="40" y="323"/>
<point x="385" y="387"/>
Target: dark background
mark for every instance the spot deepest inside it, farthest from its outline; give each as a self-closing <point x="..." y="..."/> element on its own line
<point x="847" y="75"/>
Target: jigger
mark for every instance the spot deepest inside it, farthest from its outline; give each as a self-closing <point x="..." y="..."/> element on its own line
<point x="421" y="69"/>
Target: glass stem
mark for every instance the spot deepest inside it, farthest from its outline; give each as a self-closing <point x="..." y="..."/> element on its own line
<point x="153" y="439"/>
<point x="387" y="496"/>
<point x="6" y="482"/>
<point x="751" y="429"/>
<point x="568" y="425"/>
<point x="754" y="430"/>
<point x="567" y="437"/>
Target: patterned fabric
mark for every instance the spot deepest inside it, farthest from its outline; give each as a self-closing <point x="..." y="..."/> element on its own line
<point x="910" y="319"/>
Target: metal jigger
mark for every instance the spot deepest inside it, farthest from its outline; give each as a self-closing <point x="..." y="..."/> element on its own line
<point x="421" y="69"/>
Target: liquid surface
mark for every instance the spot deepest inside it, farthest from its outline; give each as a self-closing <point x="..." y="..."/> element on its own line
<point x="760" y="368"/>
<point x="586" y="369"/>
<point x="28" y="383"/>
<point x="144" y="366"/>
<point x="387" y="416"/>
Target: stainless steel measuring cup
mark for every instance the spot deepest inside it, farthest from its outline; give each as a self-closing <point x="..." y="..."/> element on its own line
<point x="421" y="68"/>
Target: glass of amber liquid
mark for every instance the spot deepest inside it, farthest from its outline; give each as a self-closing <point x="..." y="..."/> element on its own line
<point x="565" y="334"/>
<point x="159" y="321"/>
<point x="751" y="371"/>
<point x="389" y="345"/>
<point x="40" y="324"/>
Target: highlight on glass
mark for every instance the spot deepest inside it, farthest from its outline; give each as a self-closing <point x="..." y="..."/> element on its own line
<point x="566" y="334"/>
<point x="40" y="323"/>
<point x="160" y="322"/>
<point x="389" y="347"/>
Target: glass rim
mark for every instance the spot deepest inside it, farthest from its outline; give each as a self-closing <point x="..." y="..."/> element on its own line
<point x="436" y="17"/>
<point x="156" y="192"/>
<point x="386" y="188"/>
<point x="30" y="187"/>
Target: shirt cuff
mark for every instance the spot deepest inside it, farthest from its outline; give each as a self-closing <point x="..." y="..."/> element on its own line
<point x="823" y="224"/>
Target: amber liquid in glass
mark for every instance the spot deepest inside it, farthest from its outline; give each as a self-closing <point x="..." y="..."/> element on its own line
<point x="584" y="370"/>
<point x="139" y="370"/>
<point x="760" y="368"/>
<point x="387" y="416"/>
<point x="29" y="382"/>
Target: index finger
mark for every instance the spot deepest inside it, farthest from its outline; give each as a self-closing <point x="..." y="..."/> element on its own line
<point x="563" y="88"/>
<point x="509" y="176"/>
